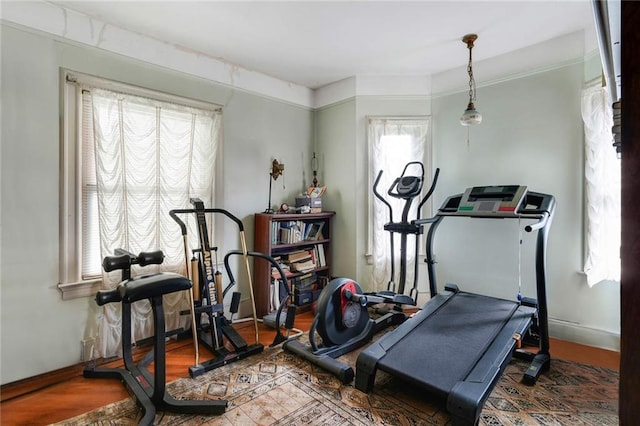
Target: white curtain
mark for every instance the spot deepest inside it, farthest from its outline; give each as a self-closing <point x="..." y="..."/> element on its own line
<point x="602" y="174"/>
<point x="150" y="157"/>
<point x="394" y="143"/>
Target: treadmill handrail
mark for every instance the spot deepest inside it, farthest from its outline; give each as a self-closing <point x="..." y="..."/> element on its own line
<point x="539" y="224"/>
<point x="425" y="220"/>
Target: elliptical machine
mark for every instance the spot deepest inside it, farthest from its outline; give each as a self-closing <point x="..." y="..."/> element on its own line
<point x="405" y="187"/>
<point x="342" y="321"/>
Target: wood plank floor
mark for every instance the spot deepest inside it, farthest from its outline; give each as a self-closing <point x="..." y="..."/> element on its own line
<point x="68" y="394"/>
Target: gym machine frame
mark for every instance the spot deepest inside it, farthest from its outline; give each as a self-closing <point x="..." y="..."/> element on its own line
<point x="208" y="284"/>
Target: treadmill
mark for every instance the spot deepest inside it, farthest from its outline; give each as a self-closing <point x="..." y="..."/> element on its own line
<point x="457" y="346"/>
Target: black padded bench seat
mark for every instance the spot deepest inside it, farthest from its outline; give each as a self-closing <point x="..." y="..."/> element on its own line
<point x="144" y="287"/>
<point x="149" y="286"/>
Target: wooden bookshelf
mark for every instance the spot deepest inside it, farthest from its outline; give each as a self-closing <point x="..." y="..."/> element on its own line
<point x="277" y="236"/>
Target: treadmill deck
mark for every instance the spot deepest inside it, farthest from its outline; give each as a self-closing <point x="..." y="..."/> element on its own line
<point x="446" y="346"/>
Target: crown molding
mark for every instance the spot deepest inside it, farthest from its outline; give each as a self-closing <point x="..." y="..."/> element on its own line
<point x="71" y="26"/>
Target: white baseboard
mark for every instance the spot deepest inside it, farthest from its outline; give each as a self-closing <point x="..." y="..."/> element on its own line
<point x="583" y="335"/>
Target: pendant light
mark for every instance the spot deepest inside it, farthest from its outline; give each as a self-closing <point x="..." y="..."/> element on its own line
<point x="470" y="116"/>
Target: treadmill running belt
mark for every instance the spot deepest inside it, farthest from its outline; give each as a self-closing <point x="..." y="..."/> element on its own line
<point x="443" y="349"/>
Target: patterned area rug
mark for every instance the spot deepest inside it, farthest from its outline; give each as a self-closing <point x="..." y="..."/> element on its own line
<point x="277" y="388"/>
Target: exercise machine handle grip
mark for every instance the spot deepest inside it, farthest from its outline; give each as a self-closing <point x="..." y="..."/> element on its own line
<point x="183" y="227"/>
<point x="174" y="216"/>
<point x="150" y="258"/>
<point x="107" y="296"/>
<point x="431" y="189"/>
<point x="124" y="259"/>
<point x="425" y="220"/>
<point x="539" y="224"/>
<point x="380" y="197"/>
<point x="112" y="263"/>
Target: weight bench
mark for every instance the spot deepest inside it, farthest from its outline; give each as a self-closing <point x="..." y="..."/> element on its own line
<point x="148" y="390"/>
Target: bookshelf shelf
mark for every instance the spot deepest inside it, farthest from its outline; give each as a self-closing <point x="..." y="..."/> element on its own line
<point x="280" y="235"/>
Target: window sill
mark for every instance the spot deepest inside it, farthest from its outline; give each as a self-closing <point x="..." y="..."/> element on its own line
<point x="79" y="289"/>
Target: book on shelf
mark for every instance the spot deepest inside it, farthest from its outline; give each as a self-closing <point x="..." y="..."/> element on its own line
<point x="304" y="265"/>
<point x="296" y="256"/>
<point x="319" y="256"/>
<point x="290" y="232"/>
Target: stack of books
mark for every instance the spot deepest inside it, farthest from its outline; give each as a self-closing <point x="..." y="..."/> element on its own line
<point x="300" y="260"/>
<point x="275" y="274"/>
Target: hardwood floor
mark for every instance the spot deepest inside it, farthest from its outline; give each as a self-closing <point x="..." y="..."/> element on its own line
<point x="60" y="395"/>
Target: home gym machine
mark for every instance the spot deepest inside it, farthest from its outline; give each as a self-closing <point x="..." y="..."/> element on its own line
<point x="459" y="343"/>
<point x="149" y="391"/>
<point x="342" y="321"/>
<point x="407" y="188"/>
<point x="207" y="296"/>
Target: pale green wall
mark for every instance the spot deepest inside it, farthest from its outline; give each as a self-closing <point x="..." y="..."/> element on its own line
<point x="531" y="134"/>
<point x="335" y="135"/>
<point x="40" y="331"/>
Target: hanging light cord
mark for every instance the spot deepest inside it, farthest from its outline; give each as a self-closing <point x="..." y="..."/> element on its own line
<point x="472" y="81"/>
<point x="472" y="90"/>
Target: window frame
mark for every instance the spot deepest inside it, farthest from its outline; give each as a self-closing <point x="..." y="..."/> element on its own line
<point x="71" y="283"/>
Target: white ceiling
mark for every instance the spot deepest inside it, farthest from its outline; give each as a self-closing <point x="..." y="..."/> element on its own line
<point x="314" y="43"/>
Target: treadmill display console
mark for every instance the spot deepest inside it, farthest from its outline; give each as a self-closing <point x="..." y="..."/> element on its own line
<point x="492" y="200"/>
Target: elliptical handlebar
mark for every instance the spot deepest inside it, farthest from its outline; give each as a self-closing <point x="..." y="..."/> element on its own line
<point x="380" y="197"/>
<point x="430" y="191"/>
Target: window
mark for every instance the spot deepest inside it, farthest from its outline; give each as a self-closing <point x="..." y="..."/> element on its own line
<point x="156" y="151"/>
<point x="603" y="187"/>
<point x="394" y="142"/>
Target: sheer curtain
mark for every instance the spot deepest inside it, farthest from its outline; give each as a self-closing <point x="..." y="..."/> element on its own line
<point x="150" y="157"/>
<point x="393" y="144"/>
<point x="602" y="175"/>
